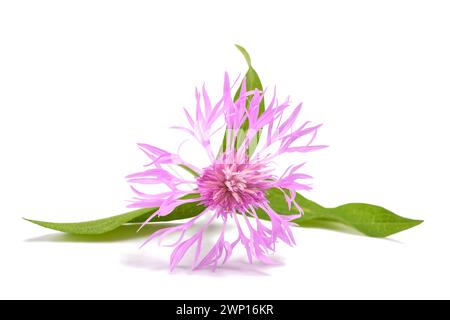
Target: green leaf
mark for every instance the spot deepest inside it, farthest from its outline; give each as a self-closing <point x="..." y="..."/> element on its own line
<point x="252" y="82"/>
<point x="101" y="226"/>
<point x="95" y="226"/>
<point x="371" y="220"/>
<point x="245" y="54"/>
<point x="368" y="219"/>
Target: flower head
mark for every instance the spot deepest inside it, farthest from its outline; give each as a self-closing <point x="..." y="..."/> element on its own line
<point x="227" y="187"/>
<point x="233" y="188"/>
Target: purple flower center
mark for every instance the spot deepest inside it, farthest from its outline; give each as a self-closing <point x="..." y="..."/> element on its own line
<point x="234" y="187"/>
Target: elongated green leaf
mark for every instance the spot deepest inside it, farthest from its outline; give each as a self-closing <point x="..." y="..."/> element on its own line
<point x="101" y="226"/>
<point x="95" y="226"/>
<point x="252" y="82"/>
<point x="368" y="219"/>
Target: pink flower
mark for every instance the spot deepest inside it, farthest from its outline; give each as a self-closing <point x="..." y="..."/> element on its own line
<point x="234" y="186"/>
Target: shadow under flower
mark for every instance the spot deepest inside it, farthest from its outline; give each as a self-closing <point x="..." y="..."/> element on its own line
<point x="232" y="267"/>
<point x="144" y="259"/>
<point x="123" y="233"/>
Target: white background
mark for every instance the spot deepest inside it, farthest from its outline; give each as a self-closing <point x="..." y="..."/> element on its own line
<point x="82" y="81"/>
